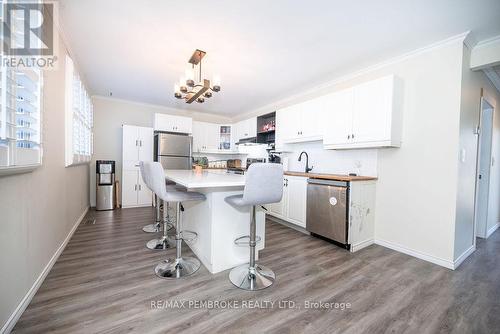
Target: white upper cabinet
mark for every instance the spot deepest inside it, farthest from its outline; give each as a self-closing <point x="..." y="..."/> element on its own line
<point x="301" y="122"/>
<point x="171" y="123"/>
<point x="246" y="128"/>
<point x="337" y="118"/>
<point x="207" y="137"/>
<point x="367" y="115"/>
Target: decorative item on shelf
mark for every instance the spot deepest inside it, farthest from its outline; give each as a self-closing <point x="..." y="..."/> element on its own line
<point x="188" y="89"/>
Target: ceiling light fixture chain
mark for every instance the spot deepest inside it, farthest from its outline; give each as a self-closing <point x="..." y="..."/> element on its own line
<point x="190" y="91"/>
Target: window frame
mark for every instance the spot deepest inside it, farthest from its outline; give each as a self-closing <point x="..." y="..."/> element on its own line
<point x="72" y="157"/>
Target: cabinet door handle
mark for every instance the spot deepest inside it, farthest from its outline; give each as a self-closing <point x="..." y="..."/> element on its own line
<point x="348" y="136"/>
<point x="140" y="187"/>
<point x="140" y="143"/>
<point x="136" y="142"/>
<point x="352" y="136"/>
<point x="135" y="187"/>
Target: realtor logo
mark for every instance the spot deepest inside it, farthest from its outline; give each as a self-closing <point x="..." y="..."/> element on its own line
<point x="28" y="31"/>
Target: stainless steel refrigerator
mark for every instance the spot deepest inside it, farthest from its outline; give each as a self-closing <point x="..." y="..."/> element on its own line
<point x="173" y="151"/>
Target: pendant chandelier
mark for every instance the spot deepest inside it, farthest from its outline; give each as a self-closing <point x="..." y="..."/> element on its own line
<point x="195" y="88"/>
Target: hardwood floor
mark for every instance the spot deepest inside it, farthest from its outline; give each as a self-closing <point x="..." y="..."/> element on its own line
<point x="104" y="283"/>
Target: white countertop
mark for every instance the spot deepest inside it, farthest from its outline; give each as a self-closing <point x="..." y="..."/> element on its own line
<point x="206" y="179"/>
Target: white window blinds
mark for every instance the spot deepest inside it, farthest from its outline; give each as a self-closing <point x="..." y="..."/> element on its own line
<point x="20" y="117"/>
<point x="79" y="118"/>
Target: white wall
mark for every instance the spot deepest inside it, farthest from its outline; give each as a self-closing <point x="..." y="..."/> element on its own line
<point x="111" y="114"/>
<point x="417" y="183"/>
<point x="472" y="83"/>
<point x="39" y="209"/>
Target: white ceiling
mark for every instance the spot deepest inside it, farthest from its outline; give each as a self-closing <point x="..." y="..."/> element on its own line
<point x="263" y="50"/>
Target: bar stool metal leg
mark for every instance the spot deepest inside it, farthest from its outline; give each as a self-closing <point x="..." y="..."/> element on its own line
<point x="156" y="227"/>
<point x="163" y="242"/>
<point x="180" y="266"/>
<point x="252" y="276"/>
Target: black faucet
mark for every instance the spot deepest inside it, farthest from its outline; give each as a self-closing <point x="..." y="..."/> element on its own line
<point x="307" y="161"/>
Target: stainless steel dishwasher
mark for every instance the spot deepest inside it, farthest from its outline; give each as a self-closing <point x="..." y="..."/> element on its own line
<point x="327" y="209"/>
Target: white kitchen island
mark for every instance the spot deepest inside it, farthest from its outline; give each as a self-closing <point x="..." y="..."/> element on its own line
<point x="217" y="223"/>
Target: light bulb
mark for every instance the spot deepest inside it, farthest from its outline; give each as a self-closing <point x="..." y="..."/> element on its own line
<point x="216" y="83"/>
<point x="189" y="74"/>
<point x="216" y="80"/>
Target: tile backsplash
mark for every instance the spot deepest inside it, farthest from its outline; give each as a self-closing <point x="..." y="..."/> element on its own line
<point x="361" y="162"/>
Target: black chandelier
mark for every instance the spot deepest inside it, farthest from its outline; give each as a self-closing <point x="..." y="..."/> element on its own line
<point x="190" y="90"/>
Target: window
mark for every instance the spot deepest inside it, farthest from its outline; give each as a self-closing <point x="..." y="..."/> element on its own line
<point x="20" y="112"/>
<point x="79" y="118"/>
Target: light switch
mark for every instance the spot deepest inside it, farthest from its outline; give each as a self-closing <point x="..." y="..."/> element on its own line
<point x="462" y="155"/>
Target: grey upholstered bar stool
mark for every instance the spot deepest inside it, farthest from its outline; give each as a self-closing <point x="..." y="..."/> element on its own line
<point x="263" y="185"/>
<point x="156" y="227"/>
<point x="180" y="266"/>
<point x="160" y="214"/>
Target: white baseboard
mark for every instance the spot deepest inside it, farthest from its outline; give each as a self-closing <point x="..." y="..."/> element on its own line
<point x="492" y="229"/>
<point x="360" y="245"/>
<point x="462" y="257"/>
<point x="426" y="257"/>
<point x="14" y="317"/>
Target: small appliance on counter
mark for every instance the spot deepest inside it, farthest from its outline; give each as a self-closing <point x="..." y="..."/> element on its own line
<point x="233" y="163"/>
<point x="241" y="170"/>
<point x="217" y="164"/>
<point x="105" y="185"/>
<point x="274" y="158"/>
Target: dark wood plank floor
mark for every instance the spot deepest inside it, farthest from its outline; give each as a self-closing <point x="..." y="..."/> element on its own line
<point x="104" y="283"/>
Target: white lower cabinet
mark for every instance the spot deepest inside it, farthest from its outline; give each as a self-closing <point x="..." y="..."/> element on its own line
<point x="134" y="191"/>
<point x="292" y="207"/>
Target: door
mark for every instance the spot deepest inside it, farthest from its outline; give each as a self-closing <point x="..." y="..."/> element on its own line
<point x="184" y="125"/>
<point x="297" y="199"/>
<point x="372" y="111"/>
<point x="337" y="117"/>
<point x="198" y="136"/>
<point x="310" y="120"/>
<point x="289" y="123"/>
<point x="251" y="127"/>
<point x="144" y="195"/>
<point x="212" y="136"/>
<point x="171" y="144"/>
<point x="145" y="136"/>
<point x="483" y="168"/>
<point x="130" y="142"/>
<point x="129" y="187"/>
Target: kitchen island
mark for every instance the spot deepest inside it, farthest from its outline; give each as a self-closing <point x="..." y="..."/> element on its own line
<point x="217" y="223"/>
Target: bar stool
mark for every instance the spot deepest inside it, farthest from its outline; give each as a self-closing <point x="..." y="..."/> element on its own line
<point x="156" y="227"/>
<point x="263" y="185"/>
<point x="180" y="266"/>
<point x="161" y="243"/>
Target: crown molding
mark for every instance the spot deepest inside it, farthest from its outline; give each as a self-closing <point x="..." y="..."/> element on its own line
<point x="182" y="112"/>
<point x="493" y="76"/>
<point x="313" y="91"/>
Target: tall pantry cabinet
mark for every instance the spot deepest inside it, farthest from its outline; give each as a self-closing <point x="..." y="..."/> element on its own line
<point x="137" y="146"/>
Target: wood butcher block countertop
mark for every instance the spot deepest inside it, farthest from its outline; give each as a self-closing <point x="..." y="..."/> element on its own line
<point x="336" y="177"/>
